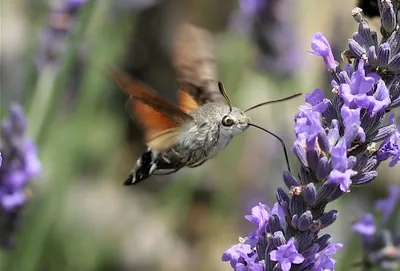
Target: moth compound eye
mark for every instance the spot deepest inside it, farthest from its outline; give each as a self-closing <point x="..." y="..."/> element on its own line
<point x="227" y="121"/>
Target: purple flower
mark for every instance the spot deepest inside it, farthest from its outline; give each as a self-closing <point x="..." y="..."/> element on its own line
<point x="380" y="100"/>
<point x="260" y="215"/>
<point x="365" y="226"/>
<point x="321" y="47"/>
<point x="360" y="93"/>
<point x="324" y="262"/>
<point x="352" y="123"/>
<point x="339" y="156"/>
<point x="341" y="178"/>
<point x="355" y="94"/>
<point x="315" y="101"/>
<point x="286" y="254"/>
<point x="234" y="255"/>
<point x="340" y="174"/>
<point x="20" y="164"/>
<point x="273" y="32"/>
<point x="386" y="206"/>
<point x="390" y="146"/>
<point x="242" y="258"/>
<point x="308" y="127"/>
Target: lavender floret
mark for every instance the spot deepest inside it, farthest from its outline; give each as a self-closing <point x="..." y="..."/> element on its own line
<point x="20" y="164"/>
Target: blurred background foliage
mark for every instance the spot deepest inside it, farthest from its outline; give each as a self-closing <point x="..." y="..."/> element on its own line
<point x="53" y="60"/>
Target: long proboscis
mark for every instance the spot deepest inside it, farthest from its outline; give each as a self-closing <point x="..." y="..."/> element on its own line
<point x="274" y="101"/>
<point x="280" y="140"/>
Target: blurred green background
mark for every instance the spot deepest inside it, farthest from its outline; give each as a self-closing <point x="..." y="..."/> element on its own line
<point x="81" y="217"/>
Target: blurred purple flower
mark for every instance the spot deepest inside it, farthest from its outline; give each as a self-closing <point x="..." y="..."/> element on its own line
<point x="270" y="24"/>
<point x="381" y="242"/>
<point x="286" y="254"/>
<point x="386" y="206"/>
<point x="20" y="164"/>
<point x="365" y="226"/>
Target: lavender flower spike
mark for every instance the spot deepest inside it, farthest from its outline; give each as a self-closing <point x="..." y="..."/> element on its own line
<point x="20" y="164"/>
<point x="335" y="144"/>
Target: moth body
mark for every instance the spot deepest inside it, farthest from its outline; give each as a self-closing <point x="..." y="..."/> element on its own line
<point x="200" y="140"/>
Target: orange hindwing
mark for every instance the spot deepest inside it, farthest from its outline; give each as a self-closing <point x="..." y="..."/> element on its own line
<point x="162" y="121"/>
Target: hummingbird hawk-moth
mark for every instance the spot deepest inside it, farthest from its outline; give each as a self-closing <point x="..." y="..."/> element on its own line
<point x="197" y="128"/>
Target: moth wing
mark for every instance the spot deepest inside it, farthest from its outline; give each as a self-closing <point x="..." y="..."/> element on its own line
<point x="162" y="121"/>
<point x="194" y="63"/>
<point x="186" y="102"/>
<point x="164" y="140"/>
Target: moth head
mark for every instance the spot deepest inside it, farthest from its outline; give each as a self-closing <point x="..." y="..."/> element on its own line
<point x="235" y="122"/>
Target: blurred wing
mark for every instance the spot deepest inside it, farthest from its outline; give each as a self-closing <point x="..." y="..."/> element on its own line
<point x="186" y="102"/>
<point x="162" y="121"/>
<point x="194" y="64"/>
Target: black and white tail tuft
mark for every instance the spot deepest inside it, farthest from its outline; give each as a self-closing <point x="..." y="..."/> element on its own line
<point x="144" y="167"/>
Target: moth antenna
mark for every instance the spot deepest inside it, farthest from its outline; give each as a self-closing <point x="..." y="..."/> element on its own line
<point x="223" y="92"/>
<point x="274" y="101"/>
<point x="280" y="140"/>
